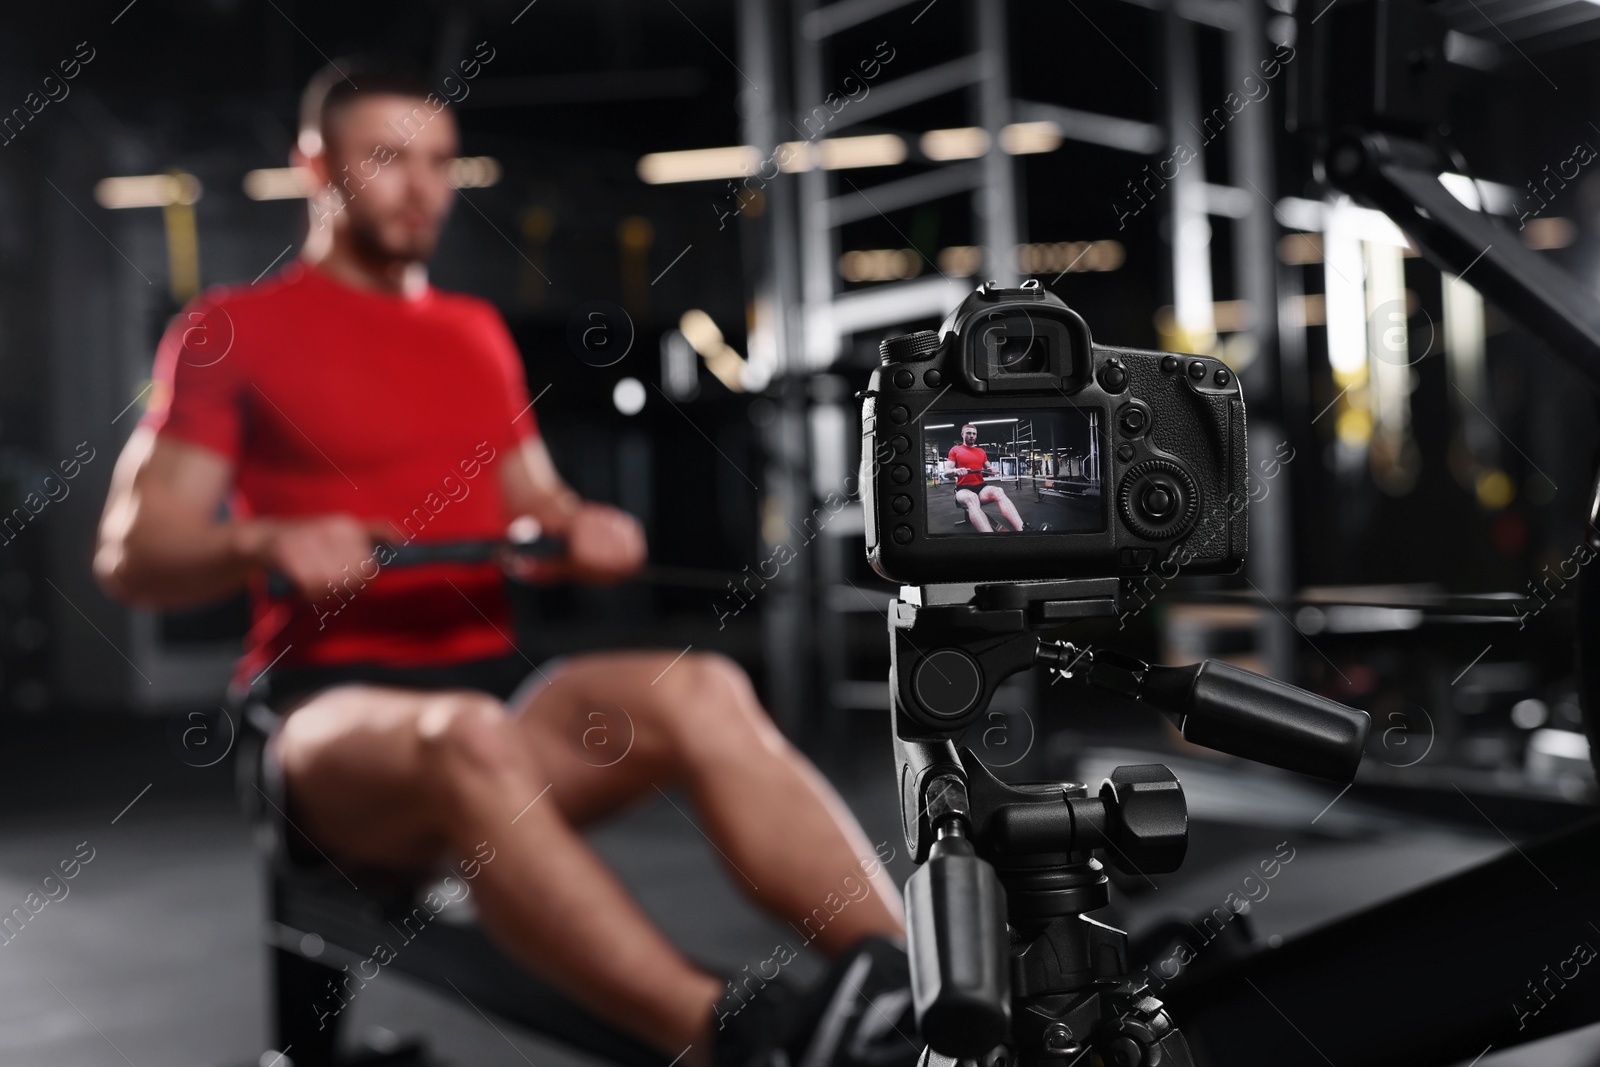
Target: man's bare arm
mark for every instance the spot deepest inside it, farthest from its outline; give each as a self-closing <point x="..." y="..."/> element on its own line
<point x="533" y="486"/>
<point x="603" y="543"/>
<point x="162" y="543"/>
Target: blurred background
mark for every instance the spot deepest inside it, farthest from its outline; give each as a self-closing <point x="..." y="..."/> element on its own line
<point x="747" y="196"/>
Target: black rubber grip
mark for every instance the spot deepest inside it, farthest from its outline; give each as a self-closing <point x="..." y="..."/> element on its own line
<point x="960" y="956"/>
<point x="1237" y="711"/>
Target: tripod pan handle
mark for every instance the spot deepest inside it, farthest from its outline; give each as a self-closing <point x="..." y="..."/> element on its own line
<point x="959" y="953"/>
<point x="1246" y="714"/>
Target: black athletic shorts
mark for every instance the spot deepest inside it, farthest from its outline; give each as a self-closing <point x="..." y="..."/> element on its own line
<point x="972" y="488"/>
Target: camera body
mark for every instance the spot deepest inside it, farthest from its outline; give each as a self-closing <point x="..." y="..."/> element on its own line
<point x="1008" y="446"/>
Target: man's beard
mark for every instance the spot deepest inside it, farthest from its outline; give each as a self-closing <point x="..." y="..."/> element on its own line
<point x="368" y="243"/>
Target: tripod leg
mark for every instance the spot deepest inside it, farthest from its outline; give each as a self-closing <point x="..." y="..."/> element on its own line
<point x="930" y="1058"/>
<point x="298" y="985"/>
<point x="1173" y="1050"/>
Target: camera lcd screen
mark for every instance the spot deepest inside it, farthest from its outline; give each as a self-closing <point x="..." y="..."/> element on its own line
<point x="999" y="471"/>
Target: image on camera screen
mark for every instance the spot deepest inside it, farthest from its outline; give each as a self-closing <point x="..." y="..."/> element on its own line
<point x="998" y="471"/>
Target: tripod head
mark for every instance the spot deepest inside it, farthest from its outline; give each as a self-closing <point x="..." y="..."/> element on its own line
<point x="1005" y="964"/>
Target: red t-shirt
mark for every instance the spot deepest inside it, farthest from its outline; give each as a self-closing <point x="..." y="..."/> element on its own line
<point x="974" y="459"/>
<point x="397" y="409"/>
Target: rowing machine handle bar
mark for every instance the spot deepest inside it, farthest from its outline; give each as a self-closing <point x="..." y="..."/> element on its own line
<point x="959" y="954"/>
<point x="1237" y="711"/>
<point x="416" y="555"/>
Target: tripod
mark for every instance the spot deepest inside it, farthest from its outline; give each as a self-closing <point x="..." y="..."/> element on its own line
<point x="1006" y="966"/>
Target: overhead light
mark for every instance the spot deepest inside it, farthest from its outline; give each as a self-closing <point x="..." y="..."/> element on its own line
<point x="964" y="142"/>
<point x="970" y="142"/>
<point x="474" y="172"/>
<point x="839" y="153"/>
<point x="874" y="150"/>
<point x="275" y="183"/>
<point x="698" y="165"/>
<point x="842" y="153"/>
<point x="1028" y="138"/>
<point x="705" y="337"/>
<point x="1058" y="257"/>
<point x="960" y="261"/>
<point x="880" y="264"/>
<point x="964" y="261"/>
<point x="147" y="190"/>
<point x="628" y="396"/>
<point x="287" y="183"/>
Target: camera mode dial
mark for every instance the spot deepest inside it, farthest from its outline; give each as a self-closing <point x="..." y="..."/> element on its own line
<point x="909" y="346"/>
<point x="1158" y="500"/>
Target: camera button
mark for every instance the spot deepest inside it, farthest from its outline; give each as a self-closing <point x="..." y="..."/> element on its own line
<point x="1157" y="501"/>
<point x="1197" y="370"/>
<point x="1133" y="421"/>
<point x="899" y="474"/>
<point x="1222" y="378"/>
<point x="904" y="379"/>
<point x="903" y="534"/>
<point x="900" y="503"/>
<point x="900" y="443"/>
<point x="1125" y="452"/>
<point x="933" y="379"/>
<point x="1169" y="364"/>
<point x="899" y="414"/>
<point x="1113" y="376"/>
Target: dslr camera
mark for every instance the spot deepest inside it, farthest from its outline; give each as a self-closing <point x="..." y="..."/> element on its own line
<point x="1007" y="446"/>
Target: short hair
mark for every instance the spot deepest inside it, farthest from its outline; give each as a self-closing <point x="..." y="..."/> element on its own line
<point x="348" y="78"/>
<point x="964" y="425"/>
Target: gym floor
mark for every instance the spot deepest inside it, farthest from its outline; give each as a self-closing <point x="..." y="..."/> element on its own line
<point x="154" y="955"/>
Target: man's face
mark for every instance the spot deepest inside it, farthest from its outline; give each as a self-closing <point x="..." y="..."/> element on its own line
<point x="396" y="189"/>
<point x="969" y="435"/>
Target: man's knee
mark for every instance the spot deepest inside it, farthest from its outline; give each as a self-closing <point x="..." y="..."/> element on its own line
<point x="711" y="703"/>
<point x="467" y="733"/>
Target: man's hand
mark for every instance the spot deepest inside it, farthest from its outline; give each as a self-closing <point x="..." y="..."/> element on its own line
<point x="309" y="552"/>
<point x="604" y="544"/>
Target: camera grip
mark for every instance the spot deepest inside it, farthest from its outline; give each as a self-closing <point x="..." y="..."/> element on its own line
<point x="959" y="951"/>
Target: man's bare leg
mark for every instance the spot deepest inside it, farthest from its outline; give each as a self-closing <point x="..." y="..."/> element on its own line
<point x="969" y="500"/>
<point x="994" y="494"/>
<point x="392" y="778"/>
<point x="788" y="839"/>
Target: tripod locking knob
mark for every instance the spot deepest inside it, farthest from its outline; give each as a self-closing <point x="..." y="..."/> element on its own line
<point x="1147" y="819"/>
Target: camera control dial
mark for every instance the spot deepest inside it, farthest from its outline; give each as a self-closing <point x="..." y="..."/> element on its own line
<point x="1158" y="500"/>
<point x="909" y="347"/>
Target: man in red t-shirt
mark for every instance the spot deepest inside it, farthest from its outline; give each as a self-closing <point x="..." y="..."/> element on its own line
<point x="346" y="399"/>
<point x="971" y="463"/>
